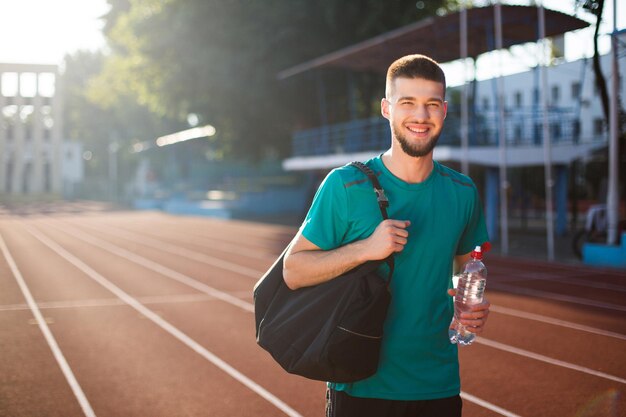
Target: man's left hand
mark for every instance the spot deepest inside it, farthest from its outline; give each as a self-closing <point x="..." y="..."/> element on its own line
<point x="475" y="317"/>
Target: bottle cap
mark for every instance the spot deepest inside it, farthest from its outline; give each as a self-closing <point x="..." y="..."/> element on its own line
<point x="477" y="253"/>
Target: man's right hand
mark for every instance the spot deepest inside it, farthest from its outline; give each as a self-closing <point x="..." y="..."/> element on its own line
<point x="389" y="237"/>
<point x="306" y="264"/>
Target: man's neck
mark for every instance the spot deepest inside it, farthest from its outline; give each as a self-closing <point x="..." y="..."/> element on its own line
<point x="410" y="169"/>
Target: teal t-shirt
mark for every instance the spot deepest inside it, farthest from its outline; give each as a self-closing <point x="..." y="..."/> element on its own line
<point x="417" y="359"/>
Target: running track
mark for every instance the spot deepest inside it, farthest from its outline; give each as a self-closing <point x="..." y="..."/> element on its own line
<point x="146" y="314"/>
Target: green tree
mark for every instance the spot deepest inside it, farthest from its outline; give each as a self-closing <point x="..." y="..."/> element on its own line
<point x="219" y="59"/>
<point x="98" y="123"/>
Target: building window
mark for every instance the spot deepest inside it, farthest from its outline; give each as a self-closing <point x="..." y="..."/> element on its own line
<point x="598" y="126"/>
<point x="576" y="91"/>
<point x="486" y="103"/>
<point x="576" y="130"/>
<point x="596" y="89"/>
<point x="555" y="94"/>
<point x="518" y="99"/>
<point x="517" y="133"/>
<point x="555" y="131"/>
<point x="535" y="96"/>
<point x="537" y="133"/>
<point x="9" y="84"/>
<point x="46" y="84"/>
<point x="28" y="84"/>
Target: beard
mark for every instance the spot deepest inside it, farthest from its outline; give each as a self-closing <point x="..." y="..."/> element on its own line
<point x="415" y="150"/>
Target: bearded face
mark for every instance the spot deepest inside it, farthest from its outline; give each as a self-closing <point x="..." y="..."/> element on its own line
<point x="414" y="148"/>
<point x="416" y="110"/>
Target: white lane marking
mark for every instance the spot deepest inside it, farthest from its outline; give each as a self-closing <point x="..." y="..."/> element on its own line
<point x="150" y="241"/>
<point x="257" y="274"/>
<point x="506" y="273"/>
<point x="558" y="297"/>
<point x="500" y="346"/>
<point x="556" y="322"/>
<point x="43" y="326"/>
<point x="156" y="267"/>
<point x="196" y="256"/>
<point x="512" y="277"/>
<point x="487" y="405"/>
<point x="250" y="307"/>
<point x="546" y="359"/>
<point x="108" y="302"/>
<point x="590" y="284"/>
<point x="165" y="325"/>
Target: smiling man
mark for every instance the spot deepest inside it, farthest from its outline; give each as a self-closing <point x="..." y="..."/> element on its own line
<point x="435" y="219"/>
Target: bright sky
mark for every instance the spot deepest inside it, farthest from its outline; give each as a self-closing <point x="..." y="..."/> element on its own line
<point x="43" y="31"/>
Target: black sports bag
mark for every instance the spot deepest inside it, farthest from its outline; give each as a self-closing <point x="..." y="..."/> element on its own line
<point x="331" y="331"/>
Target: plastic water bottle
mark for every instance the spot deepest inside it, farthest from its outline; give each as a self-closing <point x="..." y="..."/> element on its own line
<point x="469" y="291"/>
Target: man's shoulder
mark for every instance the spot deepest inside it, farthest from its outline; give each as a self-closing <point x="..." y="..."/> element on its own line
<point x="350" y="176"/>
<point x="454" y="177"/>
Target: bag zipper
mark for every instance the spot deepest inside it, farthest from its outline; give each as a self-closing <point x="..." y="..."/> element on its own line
<point x="358" y="334"/>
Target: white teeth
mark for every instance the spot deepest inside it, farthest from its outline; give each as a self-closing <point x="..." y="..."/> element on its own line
<point x="418" y="130"/>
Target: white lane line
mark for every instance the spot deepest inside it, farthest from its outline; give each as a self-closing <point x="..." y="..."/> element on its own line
<point x="43" y="326"/>
<point x="165" y="325"/>
<point x="156" y="267"/>
<point x="487" y="405"/>
<point x="512" y="277"/>
<point x="505" y="272"/>
<point x="557" y="297"/>
<point x="257" y="274"/>
<point x="109" y="302"/>
<point x="556" y="322"/>
<point x="546" y="359"/>
<point x="250" y="307"/>
<point x="179" y="251"/>
<point x="590" y="284"/>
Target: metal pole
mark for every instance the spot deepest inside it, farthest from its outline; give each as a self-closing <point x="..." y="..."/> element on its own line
<point x="113" y="148"/>
<point x="504" y="185"/>
<point x="547" y="143"/>
<point x="612" y="199"/>
<point x="464" y="93"/>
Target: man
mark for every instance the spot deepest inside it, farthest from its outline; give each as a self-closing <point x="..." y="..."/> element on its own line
<point x="435" y="219"/>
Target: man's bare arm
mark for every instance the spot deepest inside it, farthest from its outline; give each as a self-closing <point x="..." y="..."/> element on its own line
<point x="306" y="264"/>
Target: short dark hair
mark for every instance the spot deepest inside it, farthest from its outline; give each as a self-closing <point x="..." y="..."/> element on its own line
<point x="415" y="66"/>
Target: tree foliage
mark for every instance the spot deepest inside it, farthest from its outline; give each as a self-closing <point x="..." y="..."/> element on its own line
<point x="218" y="59"/>
<point x="97" y="123"/>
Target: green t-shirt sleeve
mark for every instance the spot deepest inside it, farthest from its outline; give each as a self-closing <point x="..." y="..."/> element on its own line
<point x="327" y="220"/>
<point x="475" y="232"/>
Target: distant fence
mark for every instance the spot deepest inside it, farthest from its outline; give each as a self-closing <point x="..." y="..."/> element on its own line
<point x="522" y="126"/>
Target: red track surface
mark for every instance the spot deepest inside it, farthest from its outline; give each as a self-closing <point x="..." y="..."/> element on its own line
<point x="152" y="316"/>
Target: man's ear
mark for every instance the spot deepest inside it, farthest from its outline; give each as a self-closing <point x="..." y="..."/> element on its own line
<point x="445" y="109"/>
<point x="384" y="108"/>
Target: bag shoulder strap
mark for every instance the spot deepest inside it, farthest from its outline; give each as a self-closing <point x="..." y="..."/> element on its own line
<point x="383" y="203"/>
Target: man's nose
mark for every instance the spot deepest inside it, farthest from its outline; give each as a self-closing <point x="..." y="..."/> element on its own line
<point x="421" y="112"/>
